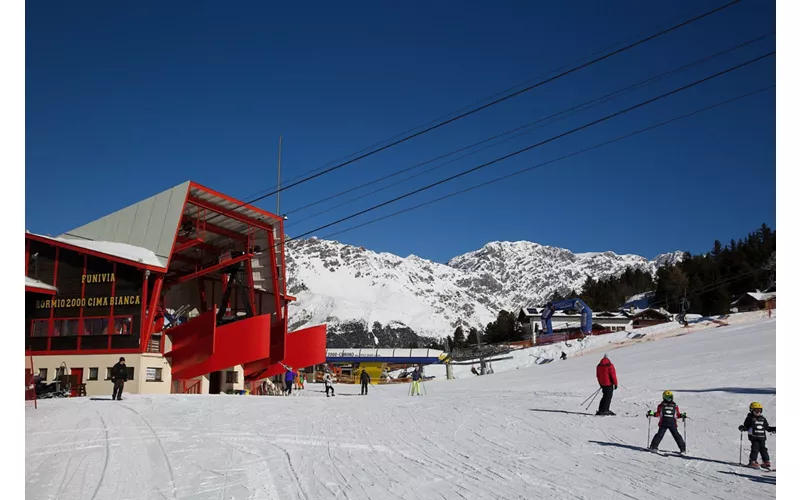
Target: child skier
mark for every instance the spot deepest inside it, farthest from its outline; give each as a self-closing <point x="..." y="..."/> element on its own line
<point x="757" y="427"/>
<point x="669" y="414"/>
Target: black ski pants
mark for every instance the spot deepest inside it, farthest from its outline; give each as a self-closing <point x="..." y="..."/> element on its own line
<point x="329" y="388"/>
<point x="605" y="402"/>
<point x="364" y="388"/>
<point x="758" y="446"/>
<point x="672" y="426"/>
<point x="289" y="385"/>
<point x="118" y="386"/>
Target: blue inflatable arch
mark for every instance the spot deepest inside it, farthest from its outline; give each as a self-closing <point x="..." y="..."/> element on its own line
<point x="567" y="304"/>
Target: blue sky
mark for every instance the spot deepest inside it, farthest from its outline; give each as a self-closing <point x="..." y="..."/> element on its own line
<point x="126" y="99"/>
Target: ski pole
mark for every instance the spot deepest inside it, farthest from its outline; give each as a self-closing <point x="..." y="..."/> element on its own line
<point x="649" y="421"/>
<point x="592" y="401"/>
<point x="685" y="440"/>
<point x="590" y="395"/>
<point x="740" y="447"/>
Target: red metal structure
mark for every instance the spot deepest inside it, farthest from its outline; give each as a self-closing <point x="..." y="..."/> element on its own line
<point x="113" y="286"/>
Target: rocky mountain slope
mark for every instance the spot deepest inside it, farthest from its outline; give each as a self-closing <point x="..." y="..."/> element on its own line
<point x="370" y="298"/>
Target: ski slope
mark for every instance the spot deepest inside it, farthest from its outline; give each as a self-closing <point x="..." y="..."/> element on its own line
<point x="516" y="434"/>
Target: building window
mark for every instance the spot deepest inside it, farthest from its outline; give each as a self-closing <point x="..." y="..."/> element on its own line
<point x="39" y="328"/>
<point x="95" y="326"/>
<point x="65" y="327"/>
<point x="108" y="373"/>
<point x="93" y="373"/>
<point x="122" y="326"/>
<point x="153" y="374"/>
<point x="43" y="374"/>
<point x="231" y="377"/>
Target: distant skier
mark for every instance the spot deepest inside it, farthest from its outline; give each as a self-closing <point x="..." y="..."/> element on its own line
<point x="119" y="375"/>
<point x="365" y="380"/>
<point x="289" y="378"/>
<point x="563" y="355"/>
<point x="475" y="371"/>
<point x="607" y="378"/>
<point x="669" y="414"/>
<point x="329" y="385"/>
<point x="757" y="428"/>
<point x="416" y="376"/>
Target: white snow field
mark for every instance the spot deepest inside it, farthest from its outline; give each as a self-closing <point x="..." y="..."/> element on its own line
<point x="517" y="434"/>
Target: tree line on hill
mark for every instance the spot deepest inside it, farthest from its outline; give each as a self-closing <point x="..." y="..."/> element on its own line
<point x="709" y="282"/>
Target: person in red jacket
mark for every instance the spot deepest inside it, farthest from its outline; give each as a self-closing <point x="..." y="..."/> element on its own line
<point x="607" y="378"/>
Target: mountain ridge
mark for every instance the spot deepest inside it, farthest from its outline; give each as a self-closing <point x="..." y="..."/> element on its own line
<point x="378" y="298"/>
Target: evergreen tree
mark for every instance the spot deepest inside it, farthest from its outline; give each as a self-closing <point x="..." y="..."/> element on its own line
<point x="472" y="337"/>
<point x="458" y="338"/>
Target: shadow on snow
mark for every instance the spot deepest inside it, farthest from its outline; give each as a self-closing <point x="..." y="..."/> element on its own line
<point x="735" y="390"/>
<point x="639" y="448"/>
<point x="754" y="478"/>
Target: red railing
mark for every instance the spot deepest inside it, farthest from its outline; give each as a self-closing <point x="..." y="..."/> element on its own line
<point x="187" y="387"/>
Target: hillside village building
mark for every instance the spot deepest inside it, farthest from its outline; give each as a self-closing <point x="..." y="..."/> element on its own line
<point x="614" y="321"/>
<point x="187" y="285"/>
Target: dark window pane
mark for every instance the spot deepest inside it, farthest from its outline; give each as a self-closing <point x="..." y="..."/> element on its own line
<point x="93" y="373"/>
<point x="96" y="326"/>
<point x="39" y="328"/>
<point x="124" y="341"/>
<point x="64" y="343"/>
<point x="122" y="326"/>
<point x="94" y="342"/>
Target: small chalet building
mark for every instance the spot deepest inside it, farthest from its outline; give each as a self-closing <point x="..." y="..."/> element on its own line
<point x="754" y="301"/>
<point x="649" y="317"/>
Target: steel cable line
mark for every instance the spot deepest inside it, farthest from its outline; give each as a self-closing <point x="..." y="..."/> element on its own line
<point x="442" y="117"/>
<point x="541" y="143"/>
<point x="491" y="103"/>
<point x="553" y="117"/>
<point x="540" y="165"/>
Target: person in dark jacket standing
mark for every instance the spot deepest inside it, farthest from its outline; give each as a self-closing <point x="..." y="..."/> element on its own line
<point x="365" y="380"/>
<point x="119" y="375"/>
<point x="668" y="413"/>
<point x="607" y="378"/>
<point x="289" y="379"/>
<point x="757" y="428"/>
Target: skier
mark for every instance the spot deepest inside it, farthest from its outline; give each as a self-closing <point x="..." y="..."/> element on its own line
<point x="365" y="380"/>
<point x="607" y="378"/>
<point x="563" y="355"/>
<point x="415" y="378"/>
<point x="329" y="385"/>
<point x="757" y="427"/>
<point x="668" y="413"/>
<point x="290" y="375"/>
<point x="474" y="371"/>
<point x="119" y="375"/>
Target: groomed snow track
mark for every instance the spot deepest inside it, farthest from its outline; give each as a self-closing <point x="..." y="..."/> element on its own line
<point x="518" y="434"/>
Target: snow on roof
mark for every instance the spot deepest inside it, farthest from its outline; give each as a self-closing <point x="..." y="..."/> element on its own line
<point x="761" y="296"/>
<point x="39" y="284"/>
<point x="639" y="296"/>
<point x="120" y="250"/>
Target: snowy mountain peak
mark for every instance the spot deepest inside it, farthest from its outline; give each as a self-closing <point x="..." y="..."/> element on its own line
<point x="361" y="294"/>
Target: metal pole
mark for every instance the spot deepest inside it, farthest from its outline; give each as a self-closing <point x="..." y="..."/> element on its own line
<point x="278" y="194"/>
<point x="648" y="431"/>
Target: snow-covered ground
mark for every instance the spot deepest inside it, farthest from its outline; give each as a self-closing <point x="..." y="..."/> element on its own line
<point x="520" y="433"/>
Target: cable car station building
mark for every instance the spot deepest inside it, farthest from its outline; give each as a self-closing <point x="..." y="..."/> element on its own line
<point x="188" y="286"/>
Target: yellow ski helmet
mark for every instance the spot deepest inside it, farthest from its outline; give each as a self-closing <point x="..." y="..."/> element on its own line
<point x="667" y="395"/>
<point x="756" y="406"/>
